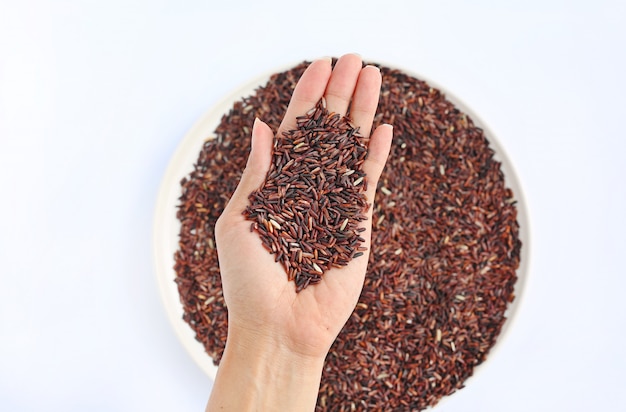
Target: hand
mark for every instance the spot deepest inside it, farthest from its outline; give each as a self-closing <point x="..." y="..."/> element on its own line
<point x="264" y="311"/>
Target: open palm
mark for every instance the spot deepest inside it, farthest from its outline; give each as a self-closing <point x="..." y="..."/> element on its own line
<point x="261" y="302"/>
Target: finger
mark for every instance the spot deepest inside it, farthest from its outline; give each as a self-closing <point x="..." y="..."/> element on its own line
<point x="378" y="151"/>
<point x="256" y="168"/>
<point x="365" y="100"/>
<point x="342" y="83"/>
<point x="307" y="93"/>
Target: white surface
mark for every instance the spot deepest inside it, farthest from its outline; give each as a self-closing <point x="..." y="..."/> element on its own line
<point x="95" y="96"/>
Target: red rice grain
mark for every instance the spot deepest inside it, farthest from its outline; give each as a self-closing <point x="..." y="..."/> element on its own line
<point x="445" y="249"/>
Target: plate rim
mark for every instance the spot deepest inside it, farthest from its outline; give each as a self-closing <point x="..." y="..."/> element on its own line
<point x="164" y="221"/>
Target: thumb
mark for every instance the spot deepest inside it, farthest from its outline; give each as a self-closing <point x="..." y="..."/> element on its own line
<point x="256" y="168"/>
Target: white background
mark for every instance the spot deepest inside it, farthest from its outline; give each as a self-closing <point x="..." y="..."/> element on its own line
<point x="95" y="96"/>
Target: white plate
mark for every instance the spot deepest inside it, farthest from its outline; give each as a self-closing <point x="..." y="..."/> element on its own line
<point x="167" y="226"/>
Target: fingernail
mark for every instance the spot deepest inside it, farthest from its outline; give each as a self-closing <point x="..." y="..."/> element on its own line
<point x="389" y="126"/>
<point x="255" y="129"/>
<point x="257" y="122"/>
<point x="326" y="58"/>
<point x="375" y="67"/>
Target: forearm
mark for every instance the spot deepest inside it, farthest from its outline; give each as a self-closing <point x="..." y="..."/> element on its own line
<point x="258" y="374"/>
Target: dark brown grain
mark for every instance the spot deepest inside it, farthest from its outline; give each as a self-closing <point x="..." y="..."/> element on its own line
<point x="442" y="268"/>
<point x="308" y="209"/>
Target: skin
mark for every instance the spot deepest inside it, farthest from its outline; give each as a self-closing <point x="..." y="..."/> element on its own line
<point x="277" y="339"/>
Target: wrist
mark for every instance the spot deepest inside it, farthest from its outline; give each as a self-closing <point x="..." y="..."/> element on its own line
<point x="265" y="345"/>
<point x="263" y="373"/>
